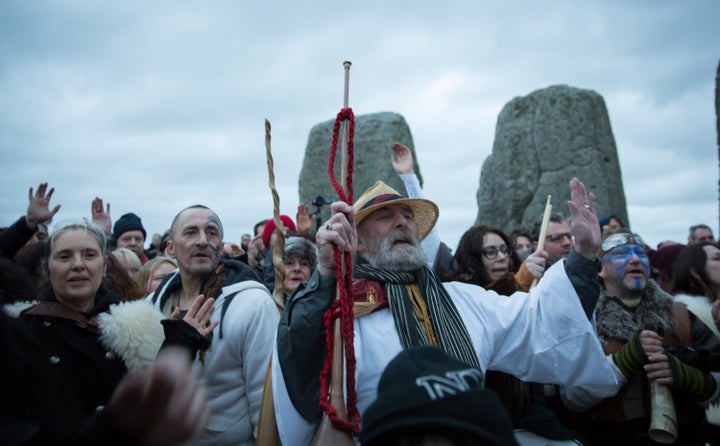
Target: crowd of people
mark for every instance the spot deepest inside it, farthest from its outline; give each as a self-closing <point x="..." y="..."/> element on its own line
<point x="505" y="339"/>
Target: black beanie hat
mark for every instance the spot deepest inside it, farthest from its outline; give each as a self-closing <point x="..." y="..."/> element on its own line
<point x="128" y="222"/>
<point x="424" y="389"/>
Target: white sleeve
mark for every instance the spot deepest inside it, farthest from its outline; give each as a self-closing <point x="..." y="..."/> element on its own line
<point x="431" y="243"/>
<point x="583" y="398"/>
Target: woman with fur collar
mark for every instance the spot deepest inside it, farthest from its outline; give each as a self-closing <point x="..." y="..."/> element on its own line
<point x="87" y="333"/>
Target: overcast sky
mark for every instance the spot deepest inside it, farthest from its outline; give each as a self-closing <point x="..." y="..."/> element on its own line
<point x="157" y="105"/>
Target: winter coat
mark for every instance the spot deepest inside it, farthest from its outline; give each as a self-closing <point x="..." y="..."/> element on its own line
<point x="91" y="352"/>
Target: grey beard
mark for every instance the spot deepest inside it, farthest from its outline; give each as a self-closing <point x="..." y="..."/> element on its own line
<point x="406" y="258"/>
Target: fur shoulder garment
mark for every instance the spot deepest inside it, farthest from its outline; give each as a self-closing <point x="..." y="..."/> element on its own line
<point x="615" y="320"/>
<point x="132" y="330"/>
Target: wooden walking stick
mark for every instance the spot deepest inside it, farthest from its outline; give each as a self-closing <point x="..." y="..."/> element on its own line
<point x="267" y="431"/>
<point x="543" y="233"/>
<point x="339" y="421"/>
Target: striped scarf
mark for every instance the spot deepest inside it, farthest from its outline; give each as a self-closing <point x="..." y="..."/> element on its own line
<point x="449" y="330"/>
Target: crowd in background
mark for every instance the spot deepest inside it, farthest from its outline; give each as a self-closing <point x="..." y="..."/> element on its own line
<point x="94" y="307"/>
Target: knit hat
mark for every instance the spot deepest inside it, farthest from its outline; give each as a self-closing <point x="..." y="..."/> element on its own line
<point x="381" y="195"/>
<point x="270" y="227"/>
<point x="128" y="222"/>
<point x="425" y="390"/>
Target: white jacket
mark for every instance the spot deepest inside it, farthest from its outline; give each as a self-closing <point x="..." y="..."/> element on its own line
<point x="235" y="365"/>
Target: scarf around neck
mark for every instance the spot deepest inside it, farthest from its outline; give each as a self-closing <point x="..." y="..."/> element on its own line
<point x="450" y="331"/>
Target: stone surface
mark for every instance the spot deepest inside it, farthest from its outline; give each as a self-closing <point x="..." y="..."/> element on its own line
<point x="717" y="116"/>
<point x="542" y="141"/>
<point x="374" y="135"/>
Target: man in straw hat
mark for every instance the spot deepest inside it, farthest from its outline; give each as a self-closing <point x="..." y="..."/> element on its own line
<point x="543" y="336"/>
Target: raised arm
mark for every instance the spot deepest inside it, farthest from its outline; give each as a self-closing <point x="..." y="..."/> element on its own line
<point x="101" y="215"/>
<point x="404" y="166"/>
<point x="38" y="211"/>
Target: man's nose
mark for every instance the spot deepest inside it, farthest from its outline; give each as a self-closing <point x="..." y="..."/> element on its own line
<point x="402" y="221"/>
<point x="202" y="238"/>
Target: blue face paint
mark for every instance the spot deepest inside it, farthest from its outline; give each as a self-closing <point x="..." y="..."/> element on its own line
<point x="620" y="257"/>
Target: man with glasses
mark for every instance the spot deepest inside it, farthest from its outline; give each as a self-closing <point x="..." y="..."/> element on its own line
<point x="558" y="243"/>
<point x="635" y="321"/>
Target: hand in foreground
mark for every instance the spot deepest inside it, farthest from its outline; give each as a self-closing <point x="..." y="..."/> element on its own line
<point x="304" y="220"/>
<point x="535" y="263"/>
<point x="38" y="209"/>
<point x="659" y="366"/>
<point x="402" y="160"/>
<point x="338" y="231"/>
<point x="584" y="224"/>
<point x="162" y="405"/>
<point x="100" y="215"/>
<point x="198" y="315"/>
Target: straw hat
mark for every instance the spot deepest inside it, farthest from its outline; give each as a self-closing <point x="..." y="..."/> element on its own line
<point x="380" y="195"/>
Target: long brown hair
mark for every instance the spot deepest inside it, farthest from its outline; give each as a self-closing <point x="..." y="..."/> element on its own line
<point x="689" y="272"/>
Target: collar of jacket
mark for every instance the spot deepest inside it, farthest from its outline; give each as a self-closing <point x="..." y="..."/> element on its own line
<point x="615" y="320"/>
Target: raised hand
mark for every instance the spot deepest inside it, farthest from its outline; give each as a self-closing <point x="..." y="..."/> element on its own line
<point x="402" y="160"/>
<point x="304" y="220"/>
<point x="100" y="215"/>
<point x="584" y="224"/>
<point x="38" y="209"/>
<point x="198" y="315"/>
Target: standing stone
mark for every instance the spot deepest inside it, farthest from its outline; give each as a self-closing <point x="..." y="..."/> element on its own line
<point x="717" y="116"/>
<point x="374" y="135"/>
<point x="542" y="141"/>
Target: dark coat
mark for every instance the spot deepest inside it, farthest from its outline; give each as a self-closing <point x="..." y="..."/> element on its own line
<point x="75" y="352"/>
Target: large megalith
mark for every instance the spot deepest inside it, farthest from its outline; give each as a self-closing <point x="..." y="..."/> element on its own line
<point x="542" y="141"/>
<point x="374" y="135"/>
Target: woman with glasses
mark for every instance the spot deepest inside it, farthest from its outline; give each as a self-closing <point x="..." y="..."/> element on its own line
<point x="485" y="257"/>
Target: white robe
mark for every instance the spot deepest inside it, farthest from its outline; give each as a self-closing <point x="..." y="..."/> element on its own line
<point x="542" y="336"/>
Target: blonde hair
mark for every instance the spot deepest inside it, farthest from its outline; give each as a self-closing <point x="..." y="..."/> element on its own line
<point x="128" y="258"/>
<point x="148" y="270"/>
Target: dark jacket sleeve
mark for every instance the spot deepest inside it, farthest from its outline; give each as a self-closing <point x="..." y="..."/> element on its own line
<point x="14" y="237"/>
<point x="583" y="274"/>
<point x="301" y="343"/>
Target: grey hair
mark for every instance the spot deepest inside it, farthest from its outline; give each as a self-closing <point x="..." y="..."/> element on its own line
<point x="301" y="247"/>
<point x="93" y="229"/>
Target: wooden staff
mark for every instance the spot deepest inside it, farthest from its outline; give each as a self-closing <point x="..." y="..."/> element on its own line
<point x="328" y="434"/>
<point x="267" y="431"/>
<point x="663" y="419"/>
<point x="279" y="245"/>
<point x="543" y="233"/>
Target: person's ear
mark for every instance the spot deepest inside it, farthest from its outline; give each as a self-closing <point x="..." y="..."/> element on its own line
<point x="694" y="273"/>
<point x="170" y="248"/>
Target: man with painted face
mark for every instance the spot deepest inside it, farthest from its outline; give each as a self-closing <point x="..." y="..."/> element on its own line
<point x="636" y="320"/>
<point x="399" y="303"/>
<point x="243" y="324"/>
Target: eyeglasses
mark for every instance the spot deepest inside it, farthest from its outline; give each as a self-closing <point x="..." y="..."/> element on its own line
<point x="491" y="251"/>
<point x="559" y="237"/>
<point x="614" y="241"/>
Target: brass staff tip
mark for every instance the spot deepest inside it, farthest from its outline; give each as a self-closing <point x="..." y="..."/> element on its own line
<point x="347" y="64"/>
